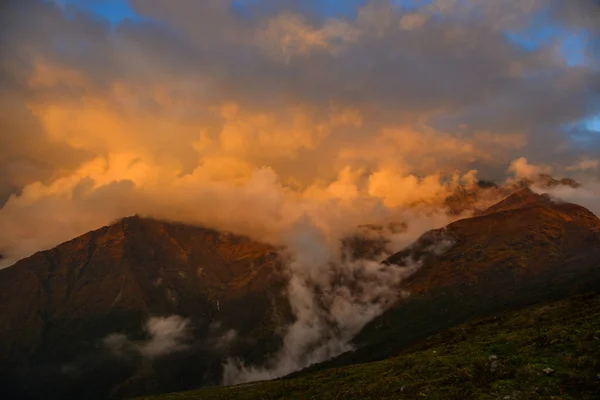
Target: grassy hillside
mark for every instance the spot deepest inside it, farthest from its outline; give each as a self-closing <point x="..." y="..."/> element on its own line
<point x="550" y="351"/>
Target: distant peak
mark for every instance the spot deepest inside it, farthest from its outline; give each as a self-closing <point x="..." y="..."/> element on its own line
<point x="570" y="182"/>
<point x="522" y="198"/>
<point x="131" y="218"/>
<point x="548" y="181"/>
<point x="485" y="184"/>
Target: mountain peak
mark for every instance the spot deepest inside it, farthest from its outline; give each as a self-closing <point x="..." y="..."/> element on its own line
<point x="548" y="181"/>
<point x="520" y="199"/>
<point x="525" y="232"/>
<point x="484" y="195"/>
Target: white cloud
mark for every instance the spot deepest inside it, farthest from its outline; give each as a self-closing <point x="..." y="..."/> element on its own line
<point x="167" y="335"/>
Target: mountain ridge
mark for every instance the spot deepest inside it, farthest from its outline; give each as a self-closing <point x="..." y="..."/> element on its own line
<point x="223" y="286"/>
<point x="498" y="261"/>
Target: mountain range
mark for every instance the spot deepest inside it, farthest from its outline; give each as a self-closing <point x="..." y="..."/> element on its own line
<point x="144" y="306"/>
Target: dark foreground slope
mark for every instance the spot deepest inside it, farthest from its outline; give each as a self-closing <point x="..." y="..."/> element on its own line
<point x="551" y="351"/>
<point x="524" y="250"/>
<point x="58" y="306"/>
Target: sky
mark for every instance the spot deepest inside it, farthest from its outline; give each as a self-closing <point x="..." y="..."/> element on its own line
<point x="247" y="115"/>
<point x="114" y="11"/>
<point x="572" y="42"/>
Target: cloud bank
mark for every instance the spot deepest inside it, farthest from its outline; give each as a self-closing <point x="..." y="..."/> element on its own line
<point x="248" y="115"/>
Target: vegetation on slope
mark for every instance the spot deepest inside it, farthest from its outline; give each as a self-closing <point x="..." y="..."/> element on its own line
<point x="549" y="351"/>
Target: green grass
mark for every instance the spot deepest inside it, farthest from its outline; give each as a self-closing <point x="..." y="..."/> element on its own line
<point x="458" y="363"/>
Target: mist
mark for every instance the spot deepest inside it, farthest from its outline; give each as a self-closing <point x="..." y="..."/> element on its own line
<point x="167" y="335"/>
<point x="332" y="299"/>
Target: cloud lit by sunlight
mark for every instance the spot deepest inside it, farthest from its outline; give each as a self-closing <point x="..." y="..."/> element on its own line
<point x="247" y="116"/>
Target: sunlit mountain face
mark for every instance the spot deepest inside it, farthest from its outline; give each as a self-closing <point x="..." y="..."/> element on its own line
<point x="194" y="153"/>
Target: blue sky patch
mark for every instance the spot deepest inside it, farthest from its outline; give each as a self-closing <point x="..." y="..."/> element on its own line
<point x="114" y="11"/>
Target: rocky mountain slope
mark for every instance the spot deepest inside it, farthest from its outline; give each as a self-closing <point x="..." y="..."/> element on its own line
<point x="473" y="199"/>
<point x="57" y="307"/>
<point x="523" y="250"/>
